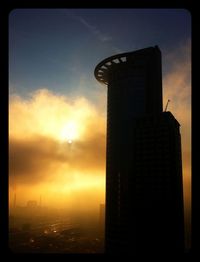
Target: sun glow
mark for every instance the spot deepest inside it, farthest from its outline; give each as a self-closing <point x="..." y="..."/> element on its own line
<point x="65" y="119"/>
<point x="70" y="132"/>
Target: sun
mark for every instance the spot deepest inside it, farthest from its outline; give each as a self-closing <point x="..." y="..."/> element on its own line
<point x="69" y="132"/>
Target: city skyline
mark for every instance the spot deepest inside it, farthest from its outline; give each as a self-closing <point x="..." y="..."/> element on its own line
<point x="57" y="110"/>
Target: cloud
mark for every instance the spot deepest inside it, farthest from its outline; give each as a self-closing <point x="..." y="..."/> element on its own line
<point x="39" y="151"/>
<point x="177" y="88"/>
<point x="177" y="81"/>
<point x="28" y="117"/>
<point x="102" y="37"/>
<point x="34" y="160"/>
<point x="93" y="29"/>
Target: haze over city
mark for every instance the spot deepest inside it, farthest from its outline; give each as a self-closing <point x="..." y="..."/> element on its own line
<point x="57" y="110"/>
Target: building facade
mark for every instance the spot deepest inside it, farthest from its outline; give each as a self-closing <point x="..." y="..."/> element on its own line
<point x="144" y="193"/>
<point x="157" y="184"/>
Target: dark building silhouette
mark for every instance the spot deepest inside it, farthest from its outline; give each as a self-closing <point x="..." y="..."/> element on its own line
<point x="144" y="192"/>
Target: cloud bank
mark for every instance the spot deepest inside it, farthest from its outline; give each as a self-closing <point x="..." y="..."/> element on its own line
<point x="40" y="152"/>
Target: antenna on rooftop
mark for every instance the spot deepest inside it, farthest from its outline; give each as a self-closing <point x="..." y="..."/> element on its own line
<point x="167" y="105"/>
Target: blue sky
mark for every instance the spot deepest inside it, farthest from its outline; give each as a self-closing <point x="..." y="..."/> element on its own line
<point x="59" y="48"/>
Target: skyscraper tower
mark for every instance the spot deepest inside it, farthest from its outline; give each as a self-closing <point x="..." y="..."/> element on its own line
<point x="144" y="194"/>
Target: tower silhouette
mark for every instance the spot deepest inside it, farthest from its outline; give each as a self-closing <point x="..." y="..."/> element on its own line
<point x="144" y="192"/>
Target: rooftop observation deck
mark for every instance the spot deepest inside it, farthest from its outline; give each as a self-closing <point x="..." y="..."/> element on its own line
<point x="102" y="69"/>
